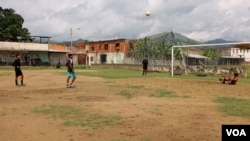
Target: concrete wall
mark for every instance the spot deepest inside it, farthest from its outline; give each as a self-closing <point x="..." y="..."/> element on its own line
<point x="111" y="58"/>
<point x="55" y="57"/>
<point x="42" y="55"/>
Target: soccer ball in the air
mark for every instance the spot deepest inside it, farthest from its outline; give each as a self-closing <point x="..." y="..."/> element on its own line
<point x="147" y="13"/>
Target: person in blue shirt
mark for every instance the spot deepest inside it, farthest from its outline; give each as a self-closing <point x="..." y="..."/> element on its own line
<point x="70" y="72"/>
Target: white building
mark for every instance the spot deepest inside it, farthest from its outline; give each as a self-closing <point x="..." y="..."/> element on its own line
<point x="242" y="53"/>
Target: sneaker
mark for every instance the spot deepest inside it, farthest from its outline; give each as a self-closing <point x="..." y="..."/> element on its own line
<point x="67" y="85"/>
<point x="17" y="85"/>
<point x="70" y="86"/>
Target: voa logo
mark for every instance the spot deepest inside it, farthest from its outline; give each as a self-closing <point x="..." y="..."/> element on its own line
<point x="236" y="132"/>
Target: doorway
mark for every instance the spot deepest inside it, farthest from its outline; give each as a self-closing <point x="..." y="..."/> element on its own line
<point x="103" y="58"/>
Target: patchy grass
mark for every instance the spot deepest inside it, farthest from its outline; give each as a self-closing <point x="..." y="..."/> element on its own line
<point x="7" y="73"/>
<point x="163" y="93"/>
<point x="135" y="86"/>
<point x="125" y="94"/>
<point x="166" y="94"/>
<point x="114" y="73"/>
<point x="234" y="106"/>
<point x="77" y="117"/>
<point x="146" y="139"/>
<point x="156" y="110"/>
<point x="111" y="84"/>
<point x="118" y="140"/>
<point x="2" y="113"/>
<point x="120" y="73"/>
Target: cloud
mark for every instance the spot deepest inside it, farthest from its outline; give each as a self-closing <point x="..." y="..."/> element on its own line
<point x="109" y="19"/>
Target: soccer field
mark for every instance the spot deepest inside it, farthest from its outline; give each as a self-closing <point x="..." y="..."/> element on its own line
<point x="137" y="108"/>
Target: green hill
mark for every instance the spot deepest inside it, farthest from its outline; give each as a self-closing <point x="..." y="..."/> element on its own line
<point x="179" y="38"/>
<point x="218" y="41"/>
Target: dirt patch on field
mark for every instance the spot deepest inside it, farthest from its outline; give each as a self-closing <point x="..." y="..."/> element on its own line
<point x="97" y="109"/>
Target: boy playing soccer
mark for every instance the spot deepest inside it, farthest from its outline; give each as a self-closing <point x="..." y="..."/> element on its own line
<point x="18" y="71"/>
<point x="71" y="72"/>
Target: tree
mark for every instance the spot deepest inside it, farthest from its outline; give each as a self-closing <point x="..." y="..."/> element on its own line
<point x="159" y="49"/>
<point x="11" y="26"/>
<point x="140" y="47"/>
<point x="212" y="54"/>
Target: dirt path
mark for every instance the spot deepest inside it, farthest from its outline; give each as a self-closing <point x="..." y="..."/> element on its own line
<point x="191" y="115"/>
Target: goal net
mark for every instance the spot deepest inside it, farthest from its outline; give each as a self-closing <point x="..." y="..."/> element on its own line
<point x="211" y="59"/>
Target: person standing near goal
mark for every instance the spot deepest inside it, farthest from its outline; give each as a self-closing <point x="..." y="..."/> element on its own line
<point x="18" y="71"/>
<point x="71" y="72"/>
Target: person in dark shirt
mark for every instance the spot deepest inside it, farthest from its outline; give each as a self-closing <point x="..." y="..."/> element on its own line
<point x="145" y="66"/>
<point x="18" y="71"/>
<point x="71" y="72"/>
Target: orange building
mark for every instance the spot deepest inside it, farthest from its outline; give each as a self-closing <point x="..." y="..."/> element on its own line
<point x="106" y="52"/>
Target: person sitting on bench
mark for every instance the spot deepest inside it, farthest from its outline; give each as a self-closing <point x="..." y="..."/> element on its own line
<point x="230" y="80"/>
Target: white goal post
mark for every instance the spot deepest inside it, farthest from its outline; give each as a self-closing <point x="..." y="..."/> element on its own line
<point x="240" y="45"/>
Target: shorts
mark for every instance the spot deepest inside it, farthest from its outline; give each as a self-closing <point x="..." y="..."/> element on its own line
<point x="18" y="72"/>
<point x="71" y="74"/>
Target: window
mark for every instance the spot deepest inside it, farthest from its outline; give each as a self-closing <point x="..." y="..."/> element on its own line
<point x="106" y="46"/>
<point x="117" y="46"/>
<point x="91" y="59"/>
<point x="93" y="48"/>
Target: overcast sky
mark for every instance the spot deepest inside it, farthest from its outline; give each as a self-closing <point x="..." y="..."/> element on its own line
<point x="201" y="20"/>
